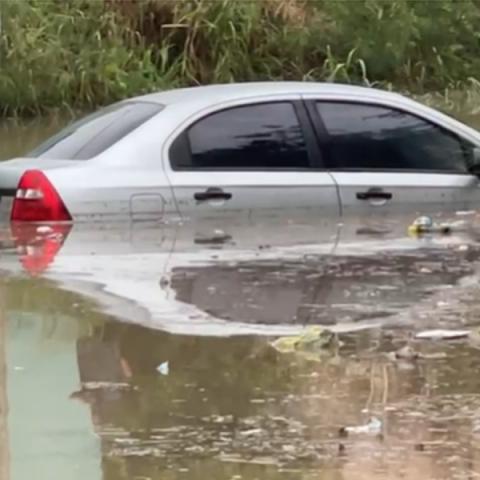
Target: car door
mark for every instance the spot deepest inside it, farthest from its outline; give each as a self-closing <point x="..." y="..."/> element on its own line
<point x="253" y="156"/>
<point x="386" y="160"/>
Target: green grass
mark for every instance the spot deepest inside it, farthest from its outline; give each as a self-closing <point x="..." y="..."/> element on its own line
<point x="78" y="54"/>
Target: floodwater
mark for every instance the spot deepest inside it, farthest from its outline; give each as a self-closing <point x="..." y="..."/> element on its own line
<point x="145" y="352"/>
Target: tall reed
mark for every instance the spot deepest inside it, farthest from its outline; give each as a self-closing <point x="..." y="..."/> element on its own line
<point x="77" y="54"/>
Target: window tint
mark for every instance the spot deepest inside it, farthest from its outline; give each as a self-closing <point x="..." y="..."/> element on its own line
<point x="97" y="132"/>
<point x="370" y="137"/>
<point x="262" y="136"/>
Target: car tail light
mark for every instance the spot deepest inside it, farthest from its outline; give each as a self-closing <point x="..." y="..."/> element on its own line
<point x="37" y="200"/>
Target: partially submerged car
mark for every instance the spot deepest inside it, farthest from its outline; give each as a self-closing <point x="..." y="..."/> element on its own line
<point x="329" y="148"/>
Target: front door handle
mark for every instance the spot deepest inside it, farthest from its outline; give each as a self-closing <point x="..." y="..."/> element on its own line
<point x="212" y="193"/>
<point x="374" y="194"/>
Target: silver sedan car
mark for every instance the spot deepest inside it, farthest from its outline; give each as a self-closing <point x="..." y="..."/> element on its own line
<point x="275" y="146"/>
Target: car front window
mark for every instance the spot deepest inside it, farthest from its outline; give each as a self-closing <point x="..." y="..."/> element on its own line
<point x="369" y="137"/>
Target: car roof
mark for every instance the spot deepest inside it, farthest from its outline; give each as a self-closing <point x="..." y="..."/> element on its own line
<point x="232" y="91"/>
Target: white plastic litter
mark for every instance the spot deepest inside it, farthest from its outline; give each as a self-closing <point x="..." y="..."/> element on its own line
<point x="462" y="213"/>
<point x="105" y="385"/>
<point x="163" y="368"/>
<point x="374" y="426"/>
<point x="440" y="334"/>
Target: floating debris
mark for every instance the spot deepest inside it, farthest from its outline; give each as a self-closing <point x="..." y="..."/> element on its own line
<point x="373" y="427"/>
<point x="313" y="339"/>
<point x="440" y="334"/>
<point x="163" y="368"/>
<point x="409" y="353"/>
<point x="105" y="385"/>
<point x="252" y="431"/>
<point x="406" y="353"/>
<point x="426" y="224"/>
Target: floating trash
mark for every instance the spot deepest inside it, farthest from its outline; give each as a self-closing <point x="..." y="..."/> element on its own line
<point x="163" y="368"/>
<point x="440" y="334"/>
<point x="410" y="354"/>
<point x="406" y="353"/>
<point x="426" y="224"/>
<point x="373" y="427"/>
<point x="313" y="339"/>
<point x="105" y="385"/>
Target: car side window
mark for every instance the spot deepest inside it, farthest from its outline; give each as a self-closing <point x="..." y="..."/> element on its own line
<point x="367" y="137"/>
<point x="260" y="136"/>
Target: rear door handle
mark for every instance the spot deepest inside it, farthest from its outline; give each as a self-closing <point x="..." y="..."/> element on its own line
<point x="374" y="194"/>
<point x="212" y="193"/>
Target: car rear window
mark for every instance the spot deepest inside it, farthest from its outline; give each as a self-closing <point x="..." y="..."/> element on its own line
<point x="95" y="133"/>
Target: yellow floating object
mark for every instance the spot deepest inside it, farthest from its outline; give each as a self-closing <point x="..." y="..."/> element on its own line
<point x="285" y="344"/>
<point x="413" y="230"/>
<point x="417" y="228"/>
<point x="313" y="338"/>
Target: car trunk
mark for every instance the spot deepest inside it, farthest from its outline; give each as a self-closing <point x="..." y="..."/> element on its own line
<point x="12" y="170"/>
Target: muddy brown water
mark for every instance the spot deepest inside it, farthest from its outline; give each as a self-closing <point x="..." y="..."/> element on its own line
<point x="87" y="393"/>
<point x="83" y="397"/>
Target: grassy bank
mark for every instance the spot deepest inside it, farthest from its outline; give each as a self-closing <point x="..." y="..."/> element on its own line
<point x="77" y="54"/>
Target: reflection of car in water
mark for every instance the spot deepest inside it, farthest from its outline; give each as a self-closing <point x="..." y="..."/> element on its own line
<point x="322" y="289"/>
<point x="272" y="145"/>
<point x="197" y="277"/>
